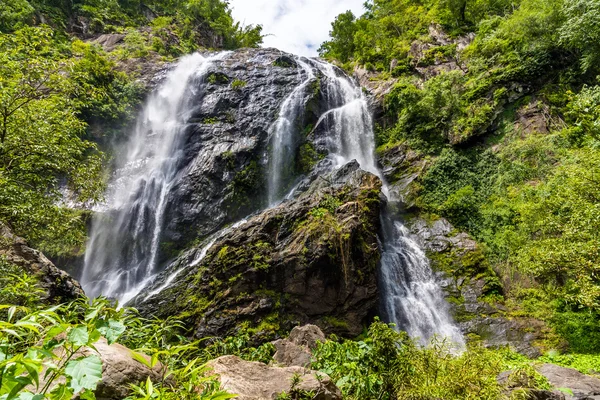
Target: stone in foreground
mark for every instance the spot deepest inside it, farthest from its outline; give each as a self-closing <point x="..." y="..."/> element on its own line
<point x="258" y="381"/>
<point x="583" y="386"/>
<point x="296" y="349"/>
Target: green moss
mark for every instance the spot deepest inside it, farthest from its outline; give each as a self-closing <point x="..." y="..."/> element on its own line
<point x="336" y="323"/>
<point x="307" y="157"/>
<point x="245" y="186"/>
<point x="210" y="120"/>
<point x="283" y="62"/>
<point x="238" y="84"/>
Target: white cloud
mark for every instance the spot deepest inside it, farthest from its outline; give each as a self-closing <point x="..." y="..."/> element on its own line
<point x="295" y="26"/>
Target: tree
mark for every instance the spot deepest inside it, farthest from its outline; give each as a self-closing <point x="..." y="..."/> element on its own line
<point x="341" y="45"/>
<point x="581" y="30"/>
<point x="41" y="143"/>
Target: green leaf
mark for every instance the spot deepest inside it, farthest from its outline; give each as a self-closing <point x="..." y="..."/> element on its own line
<point x="61" y="392"/>
<point x="141" y="358"/>
<point x="111" y="330"/>
<point x="85" y="373"/>
<point x="78" y="336"/>
<point x="87" y="395"/>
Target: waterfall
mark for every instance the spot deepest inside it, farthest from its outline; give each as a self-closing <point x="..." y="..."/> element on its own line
<point x="283" y="133"/>
<point x="411" y="297"/>
<point x="124" y="239"/>
<point x="124" y="245"/>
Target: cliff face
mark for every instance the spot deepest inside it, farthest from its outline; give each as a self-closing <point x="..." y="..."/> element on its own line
<point x="312" y="258"/>
<point x="475" y="289"/>
<point x="258" y="129"/>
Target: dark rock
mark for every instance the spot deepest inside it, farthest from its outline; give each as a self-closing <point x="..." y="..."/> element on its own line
<point x="224" y="165"/>
<point x="310" y="259"/>
<point x="59" y="286"/>
<point x="401" y="167"/>
<point x="296" y="349"/>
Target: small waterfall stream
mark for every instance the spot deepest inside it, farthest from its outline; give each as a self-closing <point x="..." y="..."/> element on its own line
<point x="410" y="296"/>
<point x="124" y="242"/>
<point x="283" y="132"/>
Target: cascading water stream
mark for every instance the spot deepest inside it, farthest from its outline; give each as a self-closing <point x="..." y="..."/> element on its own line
<point x="410" y="295"/>
<point x="283" y="132"/>
<point x="124" y="239"/>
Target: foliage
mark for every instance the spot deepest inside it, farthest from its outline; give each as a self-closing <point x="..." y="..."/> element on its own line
<point x="388" y="365"/>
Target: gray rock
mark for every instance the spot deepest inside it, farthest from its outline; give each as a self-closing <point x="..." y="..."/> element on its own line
<point x="497" y="332"/>
<point x="583" y="386"/>
<point x="507" y="380"/>
<point x="59" y="286"/>
<point x="223" y="168"/>
<point x="109" y="41"/>
<point x="296" y="349"/>
<point x="258" y="381"/>
<point x="120" y="370"/>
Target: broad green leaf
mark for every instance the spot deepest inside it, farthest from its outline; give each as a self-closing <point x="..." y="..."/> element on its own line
<point x="78" y="336"/>
<point x="111" y="330"/>
<point x="85" y="372"/>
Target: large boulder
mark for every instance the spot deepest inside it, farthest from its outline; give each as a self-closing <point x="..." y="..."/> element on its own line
<point x="582" y="386"/>
<point x="58" y="285"/>
<point x="312" y="259"/>
<point x="119" y="370"/>
<point x="258" y="381"/>
<point x="295" y="350"/>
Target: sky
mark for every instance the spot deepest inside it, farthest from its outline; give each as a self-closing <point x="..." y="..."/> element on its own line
<point x="295" y="26"/>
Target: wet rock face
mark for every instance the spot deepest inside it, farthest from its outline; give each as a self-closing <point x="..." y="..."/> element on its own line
<point x="311" y="259"/>
<point x="58" y="285"/>
<point x="224" y="166"/>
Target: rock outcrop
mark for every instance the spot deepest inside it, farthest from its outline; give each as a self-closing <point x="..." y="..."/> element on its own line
<point x="58" y="285"/>
<point x="569" y="380"/>
<point x="311" y="259"/>
<point x="224" y="166"/>
<point x="295" y="350"/>
<point x="258" y="381"/>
